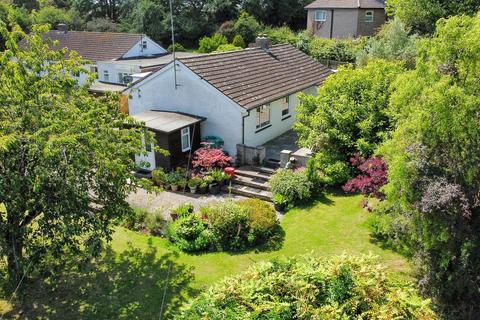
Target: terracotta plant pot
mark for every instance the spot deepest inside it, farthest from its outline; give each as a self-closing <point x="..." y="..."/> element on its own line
<point x="174" y="187"/>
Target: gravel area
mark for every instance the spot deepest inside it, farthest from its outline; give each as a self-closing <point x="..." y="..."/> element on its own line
<point x="167" y="200"/>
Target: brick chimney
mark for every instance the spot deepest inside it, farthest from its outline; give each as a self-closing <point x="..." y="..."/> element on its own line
<point x="262" y="42"/>
<point x="62" y="28"/>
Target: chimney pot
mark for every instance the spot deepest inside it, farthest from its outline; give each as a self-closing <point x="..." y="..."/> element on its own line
<point x="262" y="42"/>
<point x="62" y="28"/>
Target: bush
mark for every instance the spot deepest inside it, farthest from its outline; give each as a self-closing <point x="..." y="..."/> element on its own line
<point x="373" y="176"/>
<point x="207" y="158"/>
<point x="190" y="234"/>
<point x="229" y="223"/>
<point x="210" y="44"/>
<point x="334" y="49"/>
<point x="310" y="288"/>
<point x="262" y="220"/>
<point x="178" y="48"/>
<point x="247" y="27"/>
<point x="281" y="35"/>
<point x="145" y="221"/>
<point x="226" y="48"/>
<point x="238" y="41"/>
<point x="184" y="209"/>
<point x="159" y="177"/>
<point x="294" y="186"/>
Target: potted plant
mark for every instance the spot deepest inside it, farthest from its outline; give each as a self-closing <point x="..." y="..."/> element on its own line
<point x="217" y="175"/>
<point x="202" y="187"/>
<point x="158" y="177"/>
<point x="214" y="187"/>
<point x="171" y="180"/>
<point x="279" y="202"/>
<point x="182" y="183"/>
<point x="193" y="184"/>
<point x="226" y="179"/>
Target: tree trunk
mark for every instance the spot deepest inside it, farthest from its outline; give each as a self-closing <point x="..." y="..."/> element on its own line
<point x="14" y="257"/>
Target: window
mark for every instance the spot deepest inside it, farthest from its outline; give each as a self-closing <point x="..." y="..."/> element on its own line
<point x="263" y="116"/>
<point x="369" y="16"/>
<point x="144" y="44"/>
<point x="286" y="106"/>
<point x="121" y="77"/>
<point x="185" y="133"/>
<point x="106" y="76"/>
<point x="320" y="15"/>
<point x="93" y="69"/>
<point x="148" y="147"/>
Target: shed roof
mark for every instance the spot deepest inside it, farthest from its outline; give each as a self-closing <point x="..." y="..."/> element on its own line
<point x="254" y="77"/>
<point x="346" y="4"/>
<point x="166" y="121"/>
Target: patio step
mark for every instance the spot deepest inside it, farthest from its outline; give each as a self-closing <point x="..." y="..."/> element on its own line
<point x="254" y="173"/>
<point x="272" y="164"/>
<point x="250" y="192"/>
<point x="254" y="182"/>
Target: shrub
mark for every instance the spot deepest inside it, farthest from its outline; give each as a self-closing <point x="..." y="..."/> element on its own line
<point x="208" y="158"/>
<point x="262" y="220"/>
<point x="145" y="221"/>
<point x="281" y="35"/>
<point x="310" y="288"/>
<point x="159" y="177"/>
<point x="294" y="186"/>
<point x="190" y="234"/>
<point x="210" y="44"/>
<point x="178" y="48"/>
<point x="373" y="176"/>
<point x="334" y="49"/>
<point x="229" y="223"/>
<point x="184" y="209"/>
<point x="226" y="30"/>
<point x="227" y="48"/>
<point x="238" y="41"/>
<point x="247" y="27"/>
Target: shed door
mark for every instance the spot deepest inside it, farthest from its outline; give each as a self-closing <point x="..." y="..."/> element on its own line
<point x="146" y="161"/>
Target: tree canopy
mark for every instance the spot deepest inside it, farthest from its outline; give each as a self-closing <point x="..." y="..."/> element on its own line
<point x="65" y="157"/>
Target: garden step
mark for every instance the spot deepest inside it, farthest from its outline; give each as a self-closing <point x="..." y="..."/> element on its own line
<point x="267" y="170"/>
<point x="258" y="183"/>
<point x="272" y="164"/>
<point x="252" y="173"/>
<point x="250" y="192"/>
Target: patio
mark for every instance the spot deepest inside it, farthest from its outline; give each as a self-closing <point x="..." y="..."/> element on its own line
<point x="287" y="141"/>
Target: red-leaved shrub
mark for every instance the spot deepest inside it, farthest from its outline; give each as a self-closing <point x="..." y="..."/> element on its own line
<point x="373" y="176"/>
<point x="208" y="158"/>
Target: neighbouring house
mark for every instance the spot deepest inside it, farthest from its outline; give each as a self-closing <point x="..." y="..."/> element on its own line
<point x="245" y="97"/>
<point x="345" y="18"/>
<point x="116" y="58"/>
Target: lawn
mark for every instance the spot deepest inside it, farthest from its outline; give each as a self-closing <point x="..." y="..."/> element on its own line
<point x="129" y="281"/>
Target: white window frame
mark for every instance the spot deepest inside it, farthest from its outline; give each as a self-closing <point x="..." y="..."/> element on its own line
<point x="185" y="132"/>
<point x="121" y="77"/>
<point x="323" y="16"/>
<point x="260" y="122"/>
<point x="106" y="76"/>
<point x="369" y="16"/>
<point x="286" y="106"/>
<point x="144" y="44"/>
<point x="94" y="69"/>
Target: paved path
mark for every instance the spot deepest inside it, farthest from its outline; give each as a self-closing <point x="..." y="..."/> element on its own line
<point x="167" y="200"/>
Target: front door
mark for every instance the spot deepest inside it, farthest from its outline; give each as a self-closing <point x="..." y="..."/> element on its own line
<point x="146" y="160"/>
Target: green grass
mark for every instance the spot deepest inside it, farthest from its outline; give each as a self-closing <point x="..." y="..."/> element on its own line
<point x="129" y="281"/>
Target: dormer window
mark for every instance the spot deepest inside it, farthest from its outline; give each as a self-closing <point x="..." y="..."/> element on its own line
<point x="144" y="44"/>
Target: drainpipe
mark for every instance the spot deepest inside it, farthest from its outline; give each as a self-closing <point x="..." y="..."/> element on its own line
<point x="331" y="24"/>
<point x="243" y="126"/>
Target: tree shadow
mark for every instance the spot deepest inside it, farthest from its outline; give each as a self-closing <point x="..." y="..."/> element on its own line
<point x="129" y="285"/>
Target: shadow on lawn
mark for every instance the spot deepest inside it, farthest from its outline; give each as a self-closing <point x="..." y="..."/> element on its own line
<point x="129" y="285"/>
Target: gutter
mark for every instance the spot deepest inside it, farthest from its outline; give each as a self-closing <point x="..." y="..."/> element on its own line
<point x="243" y="126"/>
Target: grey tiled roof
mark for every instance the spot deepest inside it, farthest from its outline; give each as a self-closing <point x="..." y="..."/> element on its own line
<point x="253" y="77"/>
<point x="366" y="4"/>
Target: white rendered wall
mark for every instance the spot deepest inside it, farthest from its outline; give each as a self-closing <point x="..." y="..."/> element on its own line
<point x="137" y="51"/>
<point x="193" y="96"/>
<point x="278" y="124"/>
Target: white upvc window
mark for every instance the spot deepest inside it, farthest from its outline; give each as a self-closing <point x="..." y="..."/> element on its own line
<point x="286" y="106"/>
<point x="369" y="16"/>
<point x="185" y="133"/>
<point x="94" y="69"/>
<point x="144" y="44"/>
<point x="263" y="116"/>
<point x="106" y="76"/>
<point x="320" y="15"/>
<point x="121" y="77"/>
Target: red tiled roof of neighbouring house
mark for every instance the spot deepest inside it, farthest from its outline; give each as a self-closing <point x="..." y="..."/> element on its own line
<point x="95" y="46"/>
<point x="365" y="4"/>
<point x="253" y="77"/>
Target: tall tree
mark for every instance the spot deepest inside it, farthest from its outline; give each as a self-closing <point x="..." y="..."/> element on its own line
<point x="434" y="170"/>
<point x="65" y="157"/>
